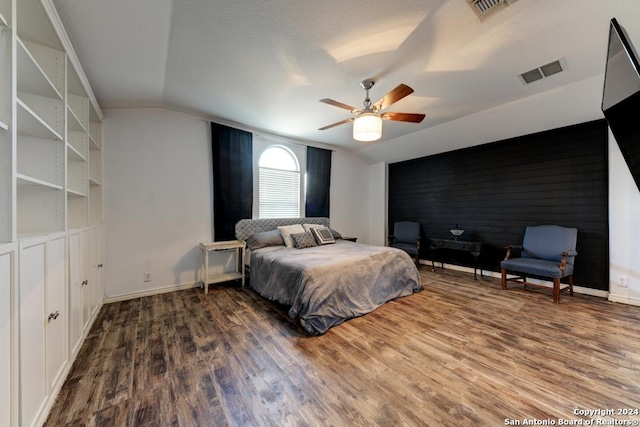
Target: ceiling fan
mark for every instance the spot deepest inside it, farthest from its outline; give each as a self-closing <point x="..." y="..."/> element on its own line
<point x="367" y="121"/>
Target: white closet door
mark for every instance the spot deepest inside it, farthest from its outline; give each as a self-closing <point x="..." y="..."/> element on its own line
<point x="56" y="312"/>
<point x="8" y="333"/>
<point x="75" y="292"/>
<point x="33" y="390"/>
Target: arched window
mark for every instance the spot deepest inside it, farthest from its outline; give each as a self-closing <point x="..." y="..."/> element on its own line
<point x="279" y="183"/>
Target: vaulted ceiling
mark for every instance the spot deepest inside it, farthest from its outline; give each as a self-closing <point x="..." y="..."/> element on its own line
<point x="265" y="64"/>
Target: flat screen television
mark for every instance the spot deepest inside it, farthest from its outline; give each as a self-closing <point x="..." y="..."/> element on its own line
<point x="621" y="96"/>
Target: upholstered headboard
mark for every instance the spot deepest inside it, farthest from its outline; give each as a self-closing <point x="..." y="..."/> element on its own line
<point x="246" y="227"/>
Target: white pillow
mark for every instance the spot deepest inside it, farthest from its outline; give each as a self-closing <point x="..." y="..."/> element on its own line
<point x="308" y="227"/>
<point x="287" y="231"/>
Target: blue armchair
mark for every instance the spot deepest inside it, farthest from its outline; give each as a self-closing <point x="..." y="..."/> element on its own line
<point x="406" y="236"/>
<point x="548" y="252"/>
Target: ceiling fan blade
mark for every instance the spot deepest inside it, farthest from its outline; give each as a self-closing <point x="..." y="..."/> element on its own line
<point x="338" y="104"/>
<point x="337" y="124"/>
<point x="403" y="117"/>
<point x="392" y="97"/>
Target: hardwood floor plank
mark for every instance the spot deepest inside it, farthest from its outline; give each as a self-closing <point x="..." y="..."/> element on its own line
<point x="461" y="352"/>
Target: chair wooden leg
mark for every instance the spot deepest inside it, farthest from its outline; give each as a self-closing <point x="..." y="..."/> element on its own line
<point x="571" y="285"/>
<point x="556" y="290"/>
<point x="504" y="279"/>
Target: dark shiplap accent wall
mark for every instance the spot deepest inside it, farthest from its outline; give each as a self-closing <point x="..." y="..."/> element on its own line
<point x="493" y="191"/>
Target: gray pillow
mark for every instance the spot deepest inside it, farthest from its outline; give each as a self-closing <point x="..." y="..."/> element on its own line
<point x="303" y="240"/>
<point x="265" y="239"/>
<point x="335" y="234"/>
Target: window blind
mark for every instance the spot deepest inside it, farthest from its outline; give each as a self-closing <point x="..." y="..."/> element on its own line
<point x="279" y="193"/>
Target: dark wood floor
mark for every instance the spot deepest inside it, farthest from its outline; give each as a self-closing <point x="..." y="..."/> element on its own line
<point x="460" y="353"/>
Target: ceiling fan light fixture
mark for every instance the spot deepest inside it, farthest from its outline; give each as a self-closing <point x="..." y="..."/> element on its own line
<point x="367" y="127"/>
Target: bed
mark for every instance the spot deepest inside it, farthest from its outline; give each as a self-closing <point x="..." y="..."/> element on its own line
<point x="324" y="285"/>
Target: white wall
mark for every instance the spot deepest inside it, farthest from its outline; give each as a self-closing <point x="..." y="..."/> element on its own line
<point x="624" y="229"/>
<point x="378" y="190"/>
<point x="349" y="199"/>
<point x="158" y="205"/>
<point x="157" y="172"/>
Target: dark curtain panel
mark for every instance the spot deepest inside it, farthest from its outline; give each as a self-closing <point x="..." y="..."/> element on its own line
<point x="232" y="179"/>
<point x="318" y="182"/>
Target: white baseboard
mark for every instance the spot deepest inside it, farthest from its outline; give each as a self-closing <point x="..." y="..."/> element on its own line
<point x="624" y="299"/>
<point x="487" y="273"/>
<point x="151" y="292"/>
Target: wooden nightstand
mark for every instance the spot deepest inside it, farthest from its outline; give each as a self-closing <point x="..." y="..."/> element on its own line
<point x="236" y="245"/>
<point x="350" y="239"/>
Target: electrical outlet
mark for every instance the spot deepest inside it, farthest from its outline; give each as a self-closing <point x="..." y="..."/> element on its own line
<point x="623" y="281"/>
<point x="147" y="276"/>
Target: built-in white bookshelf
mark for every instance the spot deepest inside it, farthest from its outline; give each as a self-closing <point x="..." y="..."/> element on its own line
<point x="50" y="127"/>
<point x="77" y="150"/>
<point x="50" y="191"/>
<point x="95" y="167"/>
<point x="7" y="185"/>
<point x="5" y="67"/>
<point x="40" y="119"/>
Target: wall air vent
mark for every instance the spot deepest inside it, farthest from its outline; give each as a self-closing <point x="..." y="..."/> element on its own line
<point x="486" y="8"/>
<point x="543" y="71"/>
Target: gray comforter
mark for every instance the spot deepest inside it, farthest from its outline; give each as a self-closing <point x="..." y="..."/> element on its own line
<point x="326" y="285"/>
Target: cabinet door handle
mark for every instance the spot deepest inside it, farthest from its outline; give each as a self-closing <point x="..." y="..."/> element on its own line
<point x="99" y="265"/>
<point x="53" y="316"/>
<point x="85" y="282"/>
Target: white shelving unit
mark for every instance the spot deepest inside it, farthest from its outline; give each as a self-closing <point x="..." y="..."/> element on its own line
<point x="95" y="167"/>
<point x="7" y="148"/>
<point x="50" y="127"/>
<point x="77" y="150"/>
<point x="40" y="121"/>
<point x="50" y="208"/>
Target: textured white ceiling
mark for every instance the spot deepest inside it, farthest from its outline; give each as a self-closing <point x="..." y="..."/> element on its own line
<point x="264" y="64"/>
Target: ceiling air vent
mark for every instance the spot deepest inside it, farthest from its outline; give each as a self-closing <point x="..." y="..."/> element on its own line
<point x="543" y="71"/>
<point x="486" y="8"/>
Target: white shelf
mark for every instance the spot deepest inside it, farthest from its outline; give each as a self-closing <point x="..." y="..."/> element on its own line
<point x="24" y="180"/>
<point x="74" y="155"/>
<point x="3" y="21"/>
<point x="94" y="182"/>
<point x="95" y="135"/>
<point x="226" y="277"/>
<point x="94" y="145"/>
<point x="30" y="124"/>
<point x="77" y="178"/>
<point x="33" y="23"/>
<point x="73" y="122"/>
<point x="32" y="78"/>
<point x="95" y="166"/>
<point x="74" y="193"/>
<point x="4" y="126"/>
<point x="78" y="106"/>
<point x="78" y="141"/>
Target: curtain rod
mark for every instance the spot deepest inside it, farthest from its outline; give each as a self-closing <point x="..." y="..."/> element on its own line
<point x="272" y="136"/>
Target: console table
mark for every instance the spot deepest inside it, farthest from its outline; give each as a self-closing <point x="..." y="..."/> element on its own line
<point x="474" y="248"/>
<point x="235" y="245"/>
